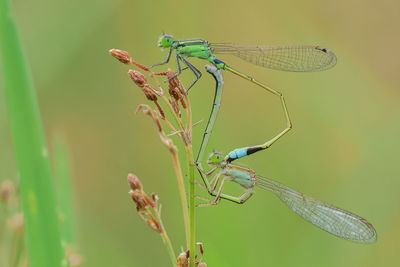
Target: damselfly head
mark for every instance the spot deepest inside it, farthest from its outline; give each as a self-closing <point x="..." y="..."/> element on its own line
<point x="165" y="41"/>
<point x="215" y="158"/>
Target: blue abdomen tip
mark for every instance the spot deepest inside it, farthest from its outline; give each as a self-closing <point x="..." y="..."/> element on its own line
<point x="237" y="154"/>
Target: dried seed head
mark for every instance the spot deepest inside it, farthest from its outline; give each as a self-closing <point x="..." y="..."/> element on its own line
<point x="182" y="260"/>
<point x="6" y="190"/>
<point x="173" y="79"/>
<point x="121" y="55"/>
<point x="134" y="182"/>
<point x="138" y="78"/>
<point x="200" y="247"/>
<point x="154" y="197"/>
<point x="175" y="88"/>
<point x="139" y="199"/>
<point x="187" y="254"/>
<point x="174" y="92"/>
<point x="148" y="201"/>
<point x="16" y="222"/>
<point x="149" y="93"/>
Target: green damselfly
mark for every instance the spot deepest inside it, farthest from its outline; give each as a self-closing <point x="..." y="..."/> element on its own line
<point x="332" y="219"/>
<point x="288" y="58"/>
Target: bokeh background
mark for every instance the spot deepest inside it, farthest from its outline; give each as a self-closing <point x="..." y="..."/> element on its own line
<point x="343" y="148"/>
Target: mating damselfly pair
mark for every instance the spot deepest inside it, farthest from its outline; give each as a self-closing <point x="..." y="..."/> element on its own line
<point x="288" y="58"/>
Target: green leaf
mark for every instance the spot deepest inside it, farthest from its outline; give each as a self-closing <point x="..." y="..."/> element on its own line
<point x="36" y="182"/>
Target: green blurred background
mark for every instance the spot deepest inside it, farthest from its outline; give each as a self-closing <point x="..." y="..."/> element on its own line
<point x="343" y="148"/>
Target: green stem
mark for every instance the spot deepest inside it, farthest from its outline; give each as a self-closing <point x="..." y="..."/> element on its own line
<point x="165" y="237"/>
<point x="36" y="182"/>
<point x="182" y="192"/>
<point x="191" y="204"/>
<point x="170" y="249"/>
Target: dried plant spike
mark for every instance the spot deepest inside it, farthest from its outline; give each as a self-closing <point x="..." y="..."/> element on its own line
<point x="134" y="182"/>
<point x="6" y="190"/>
<point x="121" y="55"/>
<point x="138" y="78"/>
<point x="148" y="200"/>
<point x="174" y="81"/>
<point x="201" y="248"/>
<point x="182" y="260"/>
<point x="175" y="88"/>
<point x="149" y="93"/>
<point x="154" y="197"/>
<point x="174" y="92"/>
<point x="139" y="199"/>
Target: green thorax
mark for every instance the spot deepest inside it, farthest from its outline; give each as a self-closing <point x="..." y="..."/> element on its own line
<point x="190" y="48"/>
<point x="193" y="48"/>
<point x="238" y="175"/>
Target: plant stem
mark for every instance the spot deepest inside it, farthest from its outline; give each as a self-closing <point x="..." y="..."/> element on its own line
<point x="182" y="192"/>
<point x="189" y="151"/>
<point x="192" y="241"/>
<point x="36" y="182"/>
<point x="189" y="225"/>
<point x="170" y="249"/>
<point x="165" y="237"/>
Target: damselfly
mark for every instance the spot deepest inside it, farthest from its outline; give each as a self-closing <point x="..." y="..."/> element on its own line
<point x="288" y="58"/>
<point x="332" y="219"/>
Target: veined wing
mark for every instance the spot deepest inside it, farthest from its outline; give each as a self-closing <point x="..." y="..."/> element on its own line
<point x="332" y="219"/>
<point x="287" y="58"/>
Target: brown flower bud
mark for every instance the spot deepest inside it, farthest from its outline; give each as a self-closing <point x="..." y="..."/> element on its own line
<point x="149" y="93"/>
<point x="173" y="79"/>
<point x="138" y="78"/>
<point x="121" y="55"/>
<point x="202" y="264"/>
<point x="154" y="197"/>
<point x="134" y="182"/>
<point x="6" y="190"/>
<point x="175" y="88"/>
<point x="139" y="199"/>
<point x="200" y="247"/>
<point x="182" y="260"/>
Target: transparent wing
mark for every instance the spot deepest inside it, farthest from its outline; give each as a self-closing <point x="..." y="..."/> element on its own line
<point x="287" y="58"/>
<point x="332" y="219"/>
